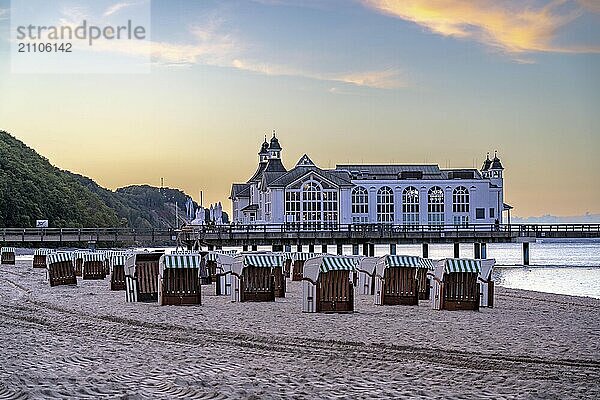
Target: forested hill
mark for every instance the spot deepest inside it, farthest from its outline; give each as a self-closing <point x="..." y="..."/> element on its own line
<point x="31" y="188"/>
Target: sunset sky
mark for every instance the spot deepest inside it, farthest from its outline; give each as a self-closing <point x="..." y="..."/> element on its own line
<point x="373" y="81"/>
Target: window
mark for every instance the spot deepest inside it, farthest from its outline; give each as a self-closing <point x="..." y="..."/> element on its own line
<point x="435" y="206"/>
<point x="492" y="213"/>
<point x="385" y="205"/>
<point x="360" y="200"/>
<point x="311" y="206"/>
<point x="460" y="200"/>
<point x="480" y="213"/>
<point x="410" y="206"/>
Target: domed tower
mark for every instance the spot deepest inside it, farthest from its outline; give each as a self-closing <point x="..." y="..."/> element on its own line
<point x="263" y="154"/>
<point x="274" y="148"/>
<point x="485" y="168"/>
<point x="495" y="171"/>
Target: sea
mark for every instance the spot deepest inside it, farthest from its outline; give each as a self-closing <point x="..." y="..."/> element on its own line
<point x="570" y="267"/>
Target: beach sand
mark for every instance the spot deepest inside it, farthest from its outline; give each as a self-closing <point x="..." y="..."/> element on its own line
<point x="87" y="342"/>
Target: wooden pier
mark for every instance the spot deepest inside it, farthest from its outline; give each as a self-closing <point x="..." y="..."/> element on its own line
<point x="284" y="235"/>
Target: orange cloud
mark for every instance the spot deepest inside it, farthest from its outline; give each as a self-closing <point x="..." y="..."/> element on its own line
<point x="514" y="27"/>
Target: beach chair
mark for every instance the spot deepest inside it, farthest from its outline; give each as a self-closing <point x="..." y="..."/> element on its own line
<point x="221" y="268"/>
<point x="365" y="270"/>
<point x="39" y="257"/>
<point x="7" y="255"/>
<point x="298" y="264"/>
<point x="327" y="284"/>
<point x="288" y="260"/>
<point x="455" y="284"/>
<point x="77" y="257"/>
<point x="397" y="280"/>
<point x="486" y="284"/>
<point x="92" y="267"/>
<point x="179" y="279"/>
<point x="117" y="271"/>
<point x="60" y="270"/>
<point x="252" y="277"/>
<point x="141" y="277"/>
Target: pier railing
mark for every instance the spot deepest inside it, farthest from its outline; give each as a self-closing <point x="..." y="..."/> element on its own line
<point x="305" y="230"/>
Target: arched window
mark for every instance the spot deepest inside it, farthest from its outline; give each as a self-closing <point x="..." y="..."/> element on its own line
<point x="460" y="200"/>
<point x="311" y="206"/>
<point x="385" y="205"/>
<point x="312" y="201"/>
<point x="460" y="204"/>
<point x="410" y="206"/>
<point x="435" y="206"/>
<point x="360" y="205"/>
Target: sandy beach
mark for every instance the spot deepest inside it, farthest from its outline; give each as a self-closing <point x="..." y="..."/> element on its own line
<point x="87" y="342"/>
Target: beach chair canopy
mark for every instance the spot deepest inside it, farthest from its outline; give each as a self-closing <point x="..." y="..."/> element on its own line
<point x="265" y="260"/>
<point x="184" y="252"/>
<point x="457" y="265"/>
<point x="323" y="264"/>
<point x="133" y="258"/>
<point x="367" y="264"/>
<point x="42" y="252"/>
<point x="7" y="250"/>
<point x="399" y="261"/>
<point x="90" y="257"/>
<point x="487" y="266"/>
<point x="223" y="261"/>
<point x="179" y="261"/>
<point x="304" y="256"/>
<point x="117" y="259"/>
<point x="54" y="258"/>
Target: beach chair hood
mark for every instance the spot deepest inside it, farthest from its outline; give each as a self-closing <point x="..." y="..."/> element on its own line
<point x="487" y="266"/>
<point x="313" y="267"/>
<point x="452" y="265"/>
<point x="367" y="264"/>
<point x="179" y="261"/>
<point x="399" y="261"/>
<point x="255" y="260"/>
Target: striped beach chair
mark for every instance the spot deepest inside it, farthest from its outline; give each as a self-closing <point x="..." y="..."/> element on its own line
<point x="179" y="279"/>
<point x="397" y="279"/>
<point x="39" y="257"/>
<point x="141" y="277"/>
<point x="7" y="255"/>
<point x="455" y="284"/>
<point x="327" y="284"/>
<point x="298" y="264"/>
<point x="252" y="277"/>
<point x="60" y="270"/>
<point x="92" y="266"/>
<point x="117" y="271"/>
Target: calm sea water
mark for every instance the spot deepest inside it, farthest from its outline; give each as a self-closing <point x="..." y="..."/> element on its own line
<point x="565" y="267"/>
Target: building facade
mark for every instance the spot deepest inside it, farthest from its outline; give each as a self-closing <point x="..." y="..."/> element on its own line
<point x="308" y="197"/>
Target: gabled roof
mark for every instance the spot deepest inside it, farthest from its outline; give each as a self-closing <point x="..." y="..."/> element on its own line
<point x="240" y="190"/>
<point x="256" y="177"/>
<point x="304" y="161"/>
<point x="338" y="178"/>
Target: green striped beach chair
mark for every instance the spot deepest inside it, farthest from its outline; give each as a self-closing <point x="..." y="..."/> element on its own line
<point x="179" y="279"/>
<point x="252" y="277"/>
<point x="455" y="284"/>
<point x="327" y="284"/>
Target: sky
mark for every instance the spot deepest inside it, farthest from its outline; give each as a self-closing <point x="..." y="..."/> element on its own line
<point x="363" y="81"/>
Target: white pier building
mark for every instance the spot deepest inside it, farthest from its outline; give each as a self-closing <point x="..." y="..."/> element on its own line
<point x="308" y="197"/>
